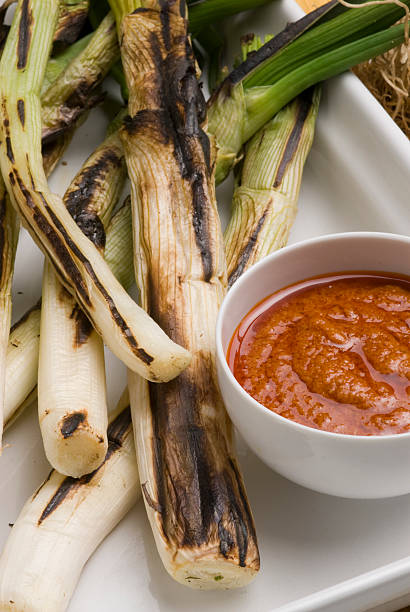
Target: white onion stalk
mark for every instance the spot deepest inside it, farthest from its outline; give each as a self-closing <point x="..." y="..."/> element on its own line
<point x="62" y="524"/>
<point x="24" y="340"/>
<point x="72" y="405"/>
<point x="12" y="389"/>
<point x="54" y="103"/>
<point x="131" y="334"/>
<point x="192" y="486"/>
<point x="22" y="364"/>
<point x="23" y="343"/>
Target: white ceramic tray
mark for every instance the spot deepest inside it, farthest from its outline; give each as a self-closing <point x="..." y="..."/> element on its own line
<point x="317" y="552"/>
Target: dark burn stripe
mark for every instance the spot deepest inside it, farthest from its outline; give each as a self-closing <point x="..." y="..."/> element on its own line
<point x="118" y="428"/>
<point x="188" y="488"/>
<point x="116" y="433"/>
<point x="62" y="253"/>
<point x="119" y="320"/>
<point x="305" y="104"/>
<point x="151" y="503"/>
<point x="153" y="121"/>
<point x="250" y="525"/>
<point x="200" y="223"/>
<point x="182" y="8"/>
<point x="165" y="23"/>
<point x="70" y="24"/>
<point x="21" y="112"/>
<point x="24" y="34"/>
<point x="9" y="148"/>
<point x="176" y="420"/>
<point x="184" y="107"/>
<point x="68" y="485"/>
<point x="47" y="230"/>
<point x="280" y="41"/>
<point x="142" y="9"/>
<point x="247" y="251"/>
<point x="83" y="327"/>
<point x="71" y="423"/>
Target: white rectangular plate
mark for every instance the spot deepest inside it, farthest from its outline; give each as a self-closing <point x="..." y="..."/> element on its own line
<point x="317" y="552"/>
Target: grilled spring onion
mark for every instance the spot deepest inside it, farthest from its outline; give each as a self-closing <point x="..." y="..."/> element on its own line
<point x="202" y="14"/>
<point x="264" y="204"/>
<point x="71" y="19"/>
<point x="318" y="46"/>
<point x="24" y="340"/>
<point x="130" y="333"/>
<point x="75" y="89"/>
<point x="9" y="222"/>
<point x="10" y="226"/>
<point x="62" y="524"/>
<point x="72" y="405"/>
<point x="192" y="487"/>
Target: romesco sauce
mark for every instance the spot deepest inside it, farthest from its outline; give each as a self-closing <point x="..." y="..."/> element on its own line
<point x="331" y="352"/>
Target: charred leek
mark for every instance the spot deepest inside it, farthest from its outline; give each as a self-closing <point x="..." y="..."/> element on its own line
<point x="127" y="329"/>
<point x="62" y="524"/>
<point x="75" y="89"/>
<point x="192" y="487"/>
<point x="24" y="341"/>
<point x="71" y="377"/>
<point x="265" y="199"/>
<point x="202" y="14"/>
<point x="306" y="52"/>
<point x="16" y="389"/>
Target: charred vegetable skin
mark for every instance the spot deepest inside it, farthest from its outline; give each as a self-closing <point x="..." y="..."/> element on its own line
<point x="71" y="19"/>
<point x="23" y="346"/>
<point x="71" y="376"/>
<point x="64" y="522"/>
<point x="192" y="487"/>
<point x="76" y="88"/>
<point x="265" y="199"/>
<point x="129" y="331"/>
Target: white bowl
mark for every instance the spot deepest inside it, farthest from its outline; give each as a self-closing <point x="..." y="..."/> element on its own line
<point x="344" y="465"/>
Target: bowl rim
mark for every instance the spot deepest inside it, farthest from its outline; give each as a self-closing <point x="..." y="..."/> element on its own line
<point x="237" y="285"/>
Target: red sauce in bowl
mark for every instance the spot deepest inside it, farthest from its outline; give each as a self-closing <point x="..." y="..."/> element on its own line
<point x="331" y="352"/>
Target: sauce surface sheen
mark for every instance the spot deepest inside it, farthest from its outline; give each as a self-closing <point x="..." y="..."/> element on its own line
<point x="332" y="352"/>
